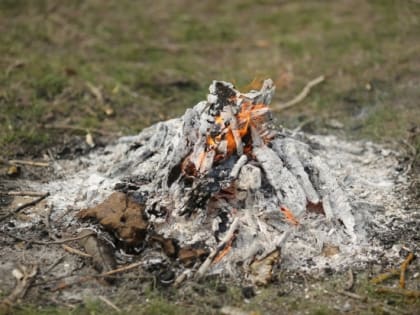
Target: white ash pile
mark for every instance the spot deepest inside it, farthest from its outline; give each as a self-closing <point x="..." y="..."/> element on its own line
<point x="219" y="190"/>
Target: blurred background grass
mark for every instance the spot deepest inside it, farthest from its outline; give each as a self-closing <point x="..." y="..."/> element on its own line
<point x="150" y="60"/>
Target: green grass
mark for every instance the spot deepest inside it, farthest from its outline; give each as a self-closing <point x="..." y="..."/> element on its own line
<point x="154" y="60"/>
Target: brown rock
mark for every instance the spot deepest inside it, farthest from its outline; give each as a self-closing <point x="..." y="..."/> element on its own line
<point x="120" y="214"/>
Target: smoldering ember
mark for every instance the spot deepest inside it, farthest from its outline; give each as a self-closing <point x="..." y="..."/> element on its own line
<point x="222" y="191"/>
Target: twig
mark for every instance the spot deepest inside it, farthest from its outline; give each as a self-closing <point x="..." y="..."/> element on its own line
<point x="109" y="303"/>
<point x="181" y="278"/>
<point x="404" y="266"/>
<point x="31" y="163"/>
<point x="13" y="66"/>
<point x="80" y="129"/>
<point x="55" y="263"/>
<point x="121" y="269"/>
<point x="101" y="275"/>
<point x="399" y="291"/>
<point x="22" y="193"/>
<point x="62" y="241"/>
<point x="300" y="96"/>
<point x="75" y="251"/>
<point x="302" y="124"/>
<point x="353" y="295"/>
<point x="22" y="286"/>
<point x="96" y="92"/>
<point x="206" y="264"/>
<point x="26" y="205"/>
<point x="385" y="276"/>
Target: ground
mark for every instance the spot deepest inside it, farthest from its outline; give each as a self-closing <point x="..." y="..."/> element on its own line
<point x="110" y="68"/>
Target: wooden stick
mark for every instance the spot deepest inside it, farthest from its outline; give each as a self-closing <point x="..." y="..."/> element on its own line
<point x="385" y="276"/>
<point x="22" y="193"/>
<point x="109" y="303"/>
<point x="101" y="275"/>
<point x="26" y="205"/>
<point x="121" y="269"/>
<point x="399" y="291"/>
<point x="301" y="96"/>
<point x="59" y="241"/>
<point x="30" y="163"/>
<point x="404" y="266"/>
<point x="206" y="264"/>
<point x="182" y="277"/>
<point x="75" y="251"/>
<point x="353" y="295"/>
<point x="20" y="290"/>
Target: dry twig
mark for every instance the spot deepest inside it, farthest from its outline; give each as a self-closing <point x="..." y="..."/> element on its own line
<point x="58" y="241"/>
<point x="101" y="275"/>
<point x="26" y="205"/>
<point x="182" y="277"/>
<point x="206" y="264"/>
<point x="13" y="66"/>
<point x="404" y="266"/>
<point x="384" y="276"/>
<point x="353" y="295"/>
<point x="75" y="251"/>
<point x="109" y="303"/>
<point x="23" y="283"/>
<point x="30" y="163"/>
<point x="22" y="193"/>
<point x="399" y="291"/>
<point x="300" y="97"/>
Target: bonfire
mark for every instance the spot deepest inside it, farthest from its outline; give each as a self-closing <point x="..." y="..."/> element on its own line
<point x="220" y="190"/>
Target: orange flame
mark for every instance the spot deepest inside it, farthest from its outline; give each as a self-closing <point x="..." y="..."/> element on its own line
<point x="224" y="251"/>
<point x="288" y="215"/>
<point x="249" y="115"/>
<point x="224" y="143"/>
